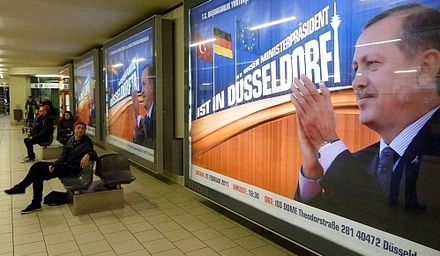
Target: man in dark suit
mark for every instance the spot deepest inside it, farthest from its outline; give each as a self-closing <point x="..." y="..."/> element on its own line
<point x="397" y="65"/>
<point x="145" y="127"/>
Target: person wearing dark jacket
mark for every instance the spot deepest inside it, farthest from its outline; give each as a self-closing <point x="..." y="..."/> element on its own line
<point x="65" y="127"/>
<point x="42" y="132"/>
<point x="47" y="102"/>
<point x="391" y="185"/>
<point x="76" y="155"/>
<point x="30" y="107"/>
<point x="145" y="126"/>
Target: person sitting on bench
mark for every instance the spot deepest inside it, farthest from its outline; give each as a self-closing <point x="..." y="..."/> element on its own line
<point x="65" y="127"/>
<point x="42" y="132"/>
<point x="76" y="155"/>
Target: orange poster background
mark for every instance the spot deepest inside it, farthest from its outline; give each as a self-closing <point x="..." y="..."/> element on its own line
<point x="121" y="118"/>
<point x="258" y="145"/>
<point x="84" y="110"/>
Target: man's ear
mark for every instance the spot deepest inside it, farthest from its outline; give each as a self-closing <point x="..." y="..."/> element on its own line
<point x="430" y="66"/>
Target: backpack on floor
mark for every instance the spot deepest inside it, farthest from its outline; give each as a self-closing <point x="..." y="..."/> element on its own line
<point x="55" y="198"/>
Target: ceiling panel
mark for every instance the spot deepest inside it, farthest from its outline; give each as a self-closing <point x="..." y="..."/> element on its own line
<point x="51" y="33"/>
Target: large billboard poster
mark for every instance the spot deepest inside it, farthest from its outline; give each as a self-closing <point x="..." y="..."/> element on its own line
<point x="84" y="88"/>
<point x="246" y="119"/>
<point x="130" y="106"/>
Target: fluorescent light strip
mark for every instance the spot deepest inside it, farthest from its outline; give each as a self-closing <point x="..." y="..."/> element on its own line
<point x="202" y="42"/>
<point x="379" y="42"/>
<point x="138" y="60"/>
<point x="118" y="65"/>
<point x="49" y="75"/>
<point x="276" y="22"/>
<point x="58" y="76"/>
<point x="405" y="71"/>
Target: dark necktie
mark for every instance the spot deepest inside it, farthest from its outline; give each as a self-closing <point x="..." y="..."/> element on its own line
<point x="385" y="168"/>
<point x="148" y="125"/>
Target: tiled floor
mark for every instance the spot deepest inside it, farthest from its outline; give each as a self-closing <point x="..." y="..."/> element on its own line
<point x="159" y="218"/>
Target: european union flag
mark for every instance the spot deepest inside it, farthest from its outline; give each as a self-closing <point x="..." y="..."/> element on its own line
<point x="247" y="40"/>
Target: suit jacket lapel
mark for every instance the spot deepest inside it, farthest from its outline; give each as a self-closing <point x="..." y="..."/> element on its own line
<point x="424" y="143"/>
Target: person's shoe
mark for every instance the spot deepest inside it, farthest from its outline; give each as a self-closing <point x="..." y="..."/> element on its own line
<point x="15" y="190"/>
<point x="31" y="208"/>
<point x="27" y="160"/>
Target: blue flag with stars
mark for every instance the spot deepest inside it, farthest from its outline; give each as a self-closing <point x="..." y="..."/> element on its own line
<point x="247" y="40"/>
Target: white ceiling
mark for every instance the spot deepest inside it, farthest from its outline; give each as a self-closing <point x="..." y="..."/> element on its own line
<point x="51" y="33"/>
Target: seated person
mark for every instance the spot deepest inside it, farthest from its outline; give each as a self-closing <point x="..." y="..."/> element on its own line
<point x="65" y="127"/>
<point x="52" y="110"/>
<point x="76" y="155"/>
<point x="41" y="133"/>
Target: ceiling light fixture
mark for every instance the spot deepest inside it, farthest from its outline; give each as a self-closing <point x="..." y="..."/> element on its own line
<point x="51" y="75"/>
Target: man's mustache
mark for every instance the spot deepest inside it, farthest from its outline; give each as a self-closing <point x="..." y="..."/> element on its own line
<point x="364" y="93"/>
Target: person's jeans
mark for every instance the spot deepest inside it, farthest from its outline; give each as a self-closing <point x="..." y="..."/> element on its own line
<point x="30" y="146"/>
<point x="38" y="173"/>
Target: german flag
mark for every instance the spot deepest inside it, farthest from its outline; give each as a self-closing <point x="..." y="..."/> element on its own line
<point x="223" y="43"/>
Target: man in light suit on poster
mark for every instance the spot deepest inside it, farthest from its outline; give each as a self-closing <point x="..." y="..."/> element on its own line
<point x="397" y="87"/>
<point x="145" y="127"/>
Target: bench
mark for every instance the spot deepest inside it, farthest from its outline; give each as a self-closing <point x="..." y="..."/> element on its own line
<point x="86" y="195"/>
<point x="76" y="184"/>
<point x="49" y="150"/>
<point x="114" y="170"/>
<point x="47" y="143"/>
